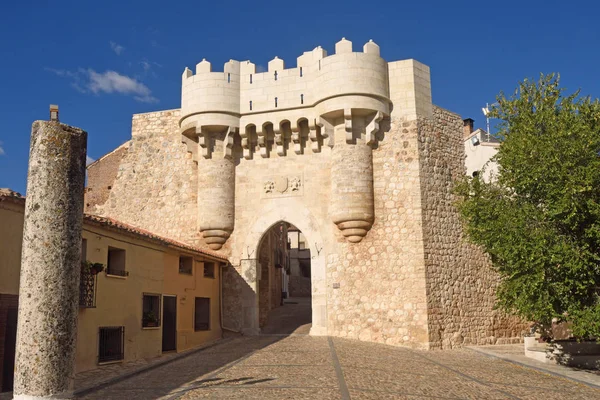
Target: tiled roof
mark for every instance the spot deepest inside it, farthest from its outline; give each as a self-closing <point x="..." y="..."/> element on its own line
<point x="112" y="224"/>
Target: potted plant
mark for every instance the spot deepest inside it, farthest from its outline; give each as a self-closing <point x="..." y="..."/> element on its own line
<point x="149" y="319"/>
<point x="96" y="268"/>
<point x="88" y="267"/>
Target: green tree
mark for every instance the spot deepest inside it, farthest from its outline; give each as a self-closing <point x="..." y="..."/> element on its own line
<point x="539" y="217"/>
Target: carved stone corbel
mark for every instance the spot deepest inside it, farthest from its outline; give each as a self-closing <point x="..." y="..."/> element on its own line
<point x="296" y="137"/>
<point x="313" y="135"/>
<point x="279" y="140"/>
<point x="229" y="141"/>
<point x="348" y="124"/>
<point x="372" y="129"/>
<point x="246" y="136"/>
<point x="327" y="131"/>
<point x="204" y="140"/>
<point x="262" y="142"/>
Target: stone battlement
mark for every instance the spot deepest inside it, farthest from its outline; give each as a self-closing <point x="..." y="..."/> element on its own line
<point x="320" y="86"/>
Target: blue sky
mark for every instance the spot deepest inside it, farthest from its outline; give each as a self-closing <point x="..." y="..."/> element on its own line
<point x="103" y="61"/>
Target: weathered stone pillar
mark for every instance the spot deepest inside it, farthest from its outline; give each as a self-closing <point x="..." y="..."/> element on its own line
<point x="50" y="265"/>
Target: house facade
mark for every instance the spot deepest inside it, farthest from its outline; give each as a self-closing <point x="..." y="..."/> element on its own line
<point x="152" y="295"/>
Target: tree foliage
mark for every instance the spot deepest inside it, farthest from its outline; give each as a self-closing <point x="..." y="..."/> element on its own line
<point x="539" y="217"/>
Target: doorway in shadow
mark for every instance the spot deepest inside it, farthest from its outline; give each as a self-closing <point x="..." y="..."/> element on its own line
<point x="284" y="287"/>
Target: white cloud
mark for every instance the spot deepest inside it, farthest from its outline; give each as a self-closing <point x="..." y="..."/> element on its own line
<point x="117" y="48"/>
<point x="1" y="149"/>
<point x="88" y="80"/>
<point x="88" y="160"/>
<point x="111" y="81"/>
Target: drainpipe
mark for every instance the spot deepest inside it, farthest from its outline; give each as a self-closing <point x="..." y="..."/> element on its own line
<point x="223" y="327"/>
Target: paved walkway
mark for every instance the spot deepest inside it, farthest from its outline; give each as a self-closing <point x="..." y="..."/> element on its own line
<point x="281" y="365"/>
<point x="306" y="367"/>
<point x="294" y="317"/>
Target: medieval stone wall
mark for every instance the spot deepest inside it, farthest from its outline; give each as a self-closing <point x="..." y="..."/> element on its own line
<point x="381" y="294"/>
<point x="156" y="184"/>
<point x="460" y="282"/>
<point x="101" y="176"/>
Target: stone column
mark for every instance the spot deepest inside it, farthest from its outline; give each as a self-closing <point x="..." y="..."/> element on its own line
<point x="216" y="187"/>
<point x="352" y="208"/>
<point x="50" y="264"/>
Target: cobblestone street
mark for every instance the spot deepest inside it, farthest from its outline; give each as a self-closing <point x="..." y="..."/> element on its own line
<point x="304" y="367"/>
<point x="297" y="366"/>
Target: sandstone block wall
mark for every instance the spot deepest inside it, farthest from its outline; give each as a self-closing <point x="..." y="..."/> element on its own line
<point x="156" y="184"/>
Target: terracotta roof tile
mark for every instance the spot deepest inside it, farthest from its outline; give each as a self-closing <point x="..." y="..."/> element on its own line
<point x="109" y="223"/>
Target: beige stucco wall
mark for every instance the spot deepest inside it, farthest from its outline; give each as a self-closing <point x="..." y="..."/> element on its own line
<point x="152" y="268"/>
<point x="478" y="157"/>
<point x="11" y="236"/>
<point x="187" y="288"/>
<point x="119" y="300"/>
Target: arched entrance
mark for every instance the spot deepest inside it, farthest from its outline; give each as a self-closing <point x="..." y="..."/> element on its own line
<point x="284" y="284"/>
<point x="291" y="214"/>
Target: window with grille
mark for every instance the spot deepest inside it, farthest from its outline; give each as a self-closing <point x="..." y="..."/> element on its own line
<point x="202" y="314"/>
<point x="209" y="270"/>
<point x="111" y="344"/>
<point x="116" y="262"/>
<point x="150" y="310"/>
<point x="186" y="265"/>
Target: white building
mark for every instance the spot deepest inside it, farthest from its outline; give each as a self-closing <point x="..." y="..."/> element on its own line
<point x="480" y="147"/>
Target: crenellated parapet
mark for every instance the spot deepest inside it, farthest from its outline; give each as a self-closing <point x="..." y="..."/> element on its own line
<point x="337" y="101"/>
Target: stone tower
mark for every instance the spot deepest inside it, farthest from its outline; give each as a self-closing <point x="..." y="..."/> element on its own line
<point x="350" y="150"/>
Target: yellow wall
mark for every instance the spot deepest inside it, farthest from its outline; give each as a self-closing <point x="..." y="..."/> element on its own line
<point x="11" y="236"/>
<point x="153" y="269"/>
<point x="187" y="288"/>
<point x="118" y="299"/>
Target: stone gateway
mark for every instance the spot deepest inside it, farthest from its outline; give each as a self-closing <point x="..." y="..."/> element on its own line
<point x="348" y="149"/>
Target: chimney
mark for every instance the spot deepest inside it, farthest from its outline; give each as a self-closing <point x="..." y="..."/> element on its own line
<point x="53" y="112"/>
<point x="467" y="127"/>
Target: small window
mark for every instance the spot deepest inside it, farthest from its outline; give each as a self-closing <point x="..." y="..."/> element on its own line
<point x="250" y="78"/>
<point x="202" y="314"/>
<point x="116" y="262"/>
<point x="209" y="270"/>
<point x="150" y="310"/>
<point x="475" y="174"/>
<point x="275" y="101"/>
<point x="186" y="265"/>
<point x="275" y="75"/>
<point x="301" y="99"/>
<point x="111" y="344"/>
<point x="250" y="105"/>
<point x="301" y="72"/>
<point x="228" y="77"/>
